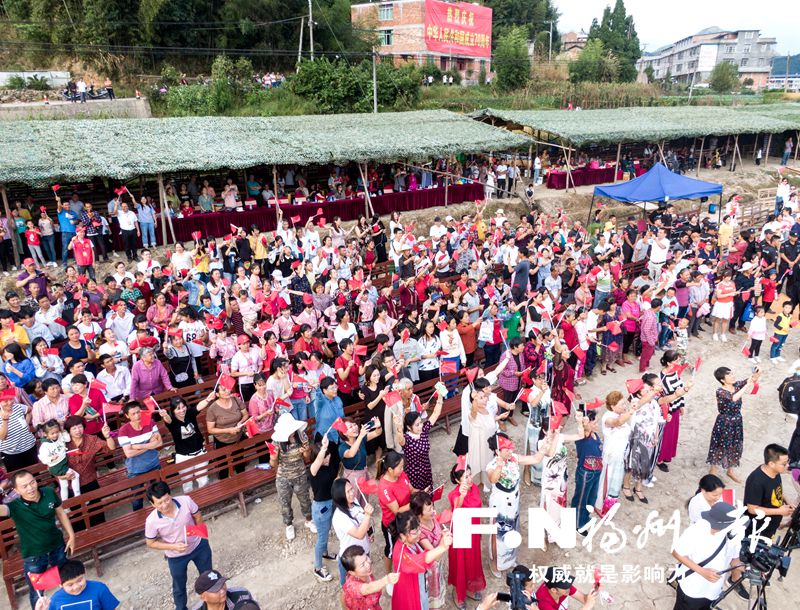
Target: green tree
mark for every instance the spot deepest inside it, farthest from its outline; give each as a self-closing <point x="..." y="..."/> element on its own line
<point x="650" y="74"/>
<point x="724" y="78"/>
<point x="511" y="60"/>
<point x="530" y="14"/>
<point x="594" y="64"/>
<point x="618" y="35"/>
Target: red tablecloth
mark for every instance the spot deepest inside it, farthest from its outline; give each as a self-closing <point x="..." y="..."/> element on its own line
<point x="217" y="224"/>
<point x="581" y="177"/>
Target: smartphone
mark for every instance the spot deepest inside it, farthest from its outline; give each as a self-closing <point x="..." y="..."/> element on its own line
<point x="370" y="425"/>
<point x="504" y="597"/>
<point x="582" y="407"/>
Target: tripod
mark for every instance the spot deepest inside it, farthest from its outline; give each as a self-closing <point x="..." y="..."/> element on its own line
<point x="757" y="583"/>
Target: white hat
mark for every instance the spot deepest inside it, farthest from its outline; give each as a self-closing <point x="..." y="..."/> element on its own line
<point x="448" y="218"/>
<point x="499" y="212"/>
<point x="286" y="426"/>
<point x="277" y="274"/>
<point x="747" y="266"/>
<point x="704" y="269"/>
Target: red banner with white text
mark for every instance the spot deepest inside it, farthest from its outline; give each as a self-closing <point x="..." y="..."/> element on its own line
<point x="458" y="28"/>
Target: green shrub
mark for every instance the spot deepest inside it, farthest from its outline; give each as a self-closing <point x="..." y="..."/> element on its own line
<point x="188" y="100"/>
<point x="38" y="83"/>
<point x="16" y="82"/>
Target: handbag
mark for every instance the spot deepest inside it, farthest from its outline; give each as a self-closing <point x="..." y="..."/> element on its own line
<point x="748" y="313"/>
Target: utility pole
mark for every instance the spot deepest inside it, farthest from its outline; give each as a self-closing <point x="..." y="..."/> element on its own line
<point x="374" y="81"/>
<point x="786" y="80"/>
<point x="300" y="46"/>
<point x="550" y="47"/>
<point x="311" y="29"/>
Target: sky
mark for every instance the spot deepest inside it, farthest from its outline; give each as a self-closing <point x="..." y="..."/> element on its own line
<point x="660" y="23"/>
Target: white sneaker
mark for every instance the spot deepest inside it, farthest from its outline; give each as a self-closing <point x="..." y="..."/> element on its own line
<point x="290" y="532"/>
<point x="115" y="255"/>
<point x="723" y="337"/>
<point x="781" y="359"/>
<point x="758" y="359"/>
<point x="753" y="360"/>
<point x="773" y="360"/>
<point x="715" y="337"/>
<point x="312" y="526"/>
<point x="264" y="466"/>
<point x="649" y="484"/>
<point x="6" y="273"/>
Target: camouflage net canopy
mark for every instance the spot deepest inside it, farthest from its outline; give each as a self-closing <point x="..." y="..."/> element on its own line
<point x="647" y="124"/>
<point x="39" y="153"/>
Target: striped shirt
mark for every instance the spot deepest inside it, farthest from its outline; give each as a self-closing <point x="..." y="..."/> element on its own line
<point x="19" y="438"/>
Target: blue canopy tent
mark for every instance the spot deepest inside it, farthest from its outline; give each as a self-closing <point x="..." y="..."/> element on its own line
<point x="658" y="185"/>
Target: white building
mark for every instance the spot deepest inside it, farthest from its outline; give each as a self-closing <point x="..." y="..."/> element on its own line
<point x="694" y="57"/>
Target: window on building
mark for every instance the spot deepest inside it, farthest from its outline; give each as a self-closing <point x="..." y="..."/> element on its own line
<point x="385" y="12"/>
<point x="746" y="48"/>
<point x="385" y="37"/>
<point x="679" y="68"/>
<point x="743" y="62"/>
<point x="730" y="49"/>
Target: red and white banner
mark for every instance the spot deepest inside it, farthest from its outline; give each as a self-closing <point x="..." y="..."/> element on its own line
<point x="458" y="28"/>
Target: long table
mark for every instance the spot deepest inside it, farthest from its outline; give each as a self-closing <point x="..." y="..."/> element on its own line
<point x="217" y="224"/>
<point x="583" y="176"/>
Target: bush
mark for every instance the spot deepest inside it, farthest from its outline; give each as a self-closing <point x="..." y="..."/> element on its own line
<point x="38" y="83"/>
<point x="189" y="100"/>
<point x="511" y="60"/>
<point x="170" y="76"/>
<point x="455" y="74"/>
<point x="16" y="82"/>
<point x="431" y="69"/>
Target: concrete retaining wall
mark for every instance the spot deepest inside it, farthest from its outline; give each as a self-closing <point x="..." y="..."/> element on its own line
<point x="128" y="108"/>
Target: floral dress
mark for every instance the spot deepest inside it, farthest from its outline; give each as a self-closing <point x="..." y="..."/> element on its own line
<point x="640" y="456"/>
<point x="436" y="574"/>
<point x="727" y="437"/>
<point x="505" y="499"/>
<point x="417" y="451"/>
<point x="554" y="483"/>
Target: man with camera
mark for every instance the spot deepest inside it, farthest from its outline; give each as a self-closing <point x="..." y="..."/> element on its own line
<point x="557" y="587"/>
<point x="705" y="549"/>
<point x="763" y="492"/>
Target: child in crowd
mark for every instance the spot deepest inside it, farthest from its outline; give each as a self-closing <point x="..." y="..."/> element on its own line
<point x="768" y="289"/>
<point x="33" y="237"/>
<point x="757" y="333"/>
<point x="782" y="321"/>
<point x="53" y="454"/>
<point x="682" y="338"/>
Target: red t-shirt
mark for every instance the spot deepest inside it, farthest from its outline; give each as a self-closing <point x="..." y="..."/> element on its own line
<point x="768" y="289"/>
<point x="83" y="251"/>
<point x="388" y="492"/>
<point x="353" y="600"/>
<point x="32" y="236"/>
<point x="347" y="386"/>
<point x="546" y="601"/>
<point x="96" y="400"/>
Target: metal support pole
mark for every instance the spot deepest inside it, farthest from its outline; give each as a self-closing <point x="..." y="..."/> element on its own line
<point x="300" y="45"/>
<point x="278" y="211"/>
<point x="11" y="227"/>
<point x="367" y="197"/>
<point x="616" y="167"/>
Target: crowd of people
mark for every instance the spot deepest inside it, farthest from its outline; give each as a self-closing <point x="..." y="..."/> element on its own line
<point x="296" y="327"/>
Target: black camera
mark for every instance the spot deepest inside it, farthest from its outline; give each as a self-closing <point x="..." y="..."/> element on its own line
<point x="764" y="557"/>
<point x="516" y="580"/>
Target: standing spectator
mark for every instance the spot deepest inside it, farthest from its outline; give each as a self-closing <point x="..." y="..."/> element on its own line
<point x="165" y="530"/>
<point x="34" y="513"/>
<point x="787" y="151"/>
<point x="225" y="420"/>
<point x="293" y="451"/>
<point x="140" y="441"/>
<point x="147" y="222"/>
<point x="648" y="334"/>
<point x="81" y="89"/>
<point x="181" y="421"/>
<point x="83" y="250"/>
<point x="321" y="476"/>
<point x="129" y="225"/>
<point x="763" y="491"/>
<point x="212" y="588"/>
<point x="93" y="224"/>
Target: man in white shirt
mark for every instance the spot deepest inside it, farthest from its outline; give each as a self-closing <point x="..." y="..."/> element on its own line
<point x="437" y="230"/>
<point x="659" y="248"/>
<point x="553" y="283"/>
<point x="705" y="549"/>
<point x="120" y="320"/>
<point x="129" y="226"/>
<point x="147" y="264"/>
<point x="502" y="175"/>
<point x="442" y="260"/>
<point x="116" y="378"/>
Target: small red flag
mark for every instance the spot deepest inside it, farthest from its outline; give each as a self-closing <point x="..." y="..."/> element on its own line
<point x="49" y="579"/>
<point x="745" y="353"/>
<point x="97" y="385"/>
<point x="61" y="322"/>
<point x="447" y="367"/>
<point x="340" y="426"/>
<point x="368" y="486"/>
<point x="111" y="407"/>
<point x="200" y="530"/>
<point x="595" y="404"/>
<point x="360" y="350"/>
<point x="442" y="325"/>
<point x="445" y="517"/>
<point x="755" y="389"/>
<point x="412" y="563"/>
<point x="471" y="374"/>
<point x="51" y="351"/>
<point x="272" y="449"/>
<point x="405" y="335"/>
<point x="281" y="402"/>
<point x="774" y="339"/>
<point x="226" y="381"/>
<point x="664" y="410"/>
<point x="555" y="422"/>
<point x="542" y="368"/>
<point x="391" y="398"/>
<point x="319" y="212"/>
<point x="251" y="428"/>
<point x="729" y="496"/>
<point x="196" y="235"/>
<point x="88" y="336"/>
<point x="151" y="403"/>
<point x="146" y="418"/>
<point x="614" y="346"/>
<point x="55" y="188"/>
<point x="613" y="326"/>
<point x="438" y="493"/>
<point x="559" y="408"/>
<point x="525" y="394"/>
<point x="570" y="394"/>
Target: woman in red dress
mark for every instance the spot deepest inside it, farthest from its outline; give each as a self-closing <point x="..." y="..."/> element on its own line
<point x="412" y="561"/>
<point x="466" y="567"/>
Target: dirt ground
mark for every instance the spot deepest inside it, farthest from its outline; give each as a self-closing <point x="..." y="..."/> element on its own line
<point x="253" y="552"/>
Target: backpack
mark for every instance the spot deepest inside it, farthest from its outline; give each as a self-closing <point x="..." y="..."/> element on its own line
<point x="789" y="395"/>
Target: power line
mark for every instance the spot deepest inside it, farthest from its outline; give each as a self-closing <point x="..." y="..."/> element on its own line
<point x="139" y="23"/>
